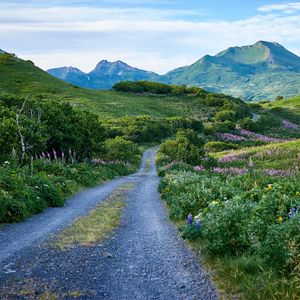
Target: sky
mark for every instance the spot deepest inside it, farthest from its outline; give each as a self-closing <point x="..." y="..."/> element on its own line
<point x="156" y="35"/>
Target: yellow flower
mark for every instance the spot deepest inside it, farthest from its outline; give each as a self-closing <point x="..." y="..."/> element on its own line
<point x="297" y="194"/>
<point x="214" y="202"/>
<point x="269" y="187"/>
<point x="280" y="219"/>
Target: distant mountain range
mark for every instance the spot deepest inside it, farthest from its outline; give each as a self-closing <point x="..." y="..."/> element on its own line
<point x="104" y="76"/>
<point x="263" y="70"/>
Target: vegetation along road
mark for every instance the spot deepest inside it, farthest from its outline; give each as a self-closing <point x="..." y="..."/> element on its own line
<point x="143" y="259"/>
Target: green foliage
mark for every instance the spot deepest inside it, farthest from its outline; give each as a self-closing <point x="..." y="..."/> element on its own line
<point x="268" y="120"/>
<point x="145" y="129"/>
<point x="225" y="115"/>
<point x="24" y="192"/>
<point x="155" y="88"/>
<point x="190" y="232"/>
<point x="121" y="149"/>
<point x="249" y="124"/>
<point x="186" y="147"/>
<point x="246" y="218"/>
<point x="47" y="126"/>
<point x="219" y="146"/>
<point x="221" y="127"/>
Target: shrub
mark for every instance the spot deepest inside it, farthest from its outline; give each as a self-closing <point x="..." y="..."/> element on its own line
<point x="225" y="115"/>
<point x="223" y="126"/>
<point x="249" y="124"/>
<point x="223" y="227"/>
<point x="181" y="149"/>
<point x="120" y="149"/>
<point x="219" y="146"/>
<point x="280" y="242"/>
<point x="268" y="120"/>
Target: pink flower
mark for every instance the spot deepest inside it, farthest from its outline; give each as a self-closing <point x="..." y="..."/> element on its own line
<point x="199" y="168"/>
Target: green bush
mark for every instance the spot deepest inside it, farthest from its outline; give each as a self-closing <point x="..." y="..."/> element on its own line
<point x="120" y="149"/>
<point x="223" y="228"/>
<point x="181" y="149"/>
<point x="225" y="115"/>
<point x="280" y="245"/>
<point x="249" y="124"/>
<point x="225" y="126"/>
<point x="219" y="146"/>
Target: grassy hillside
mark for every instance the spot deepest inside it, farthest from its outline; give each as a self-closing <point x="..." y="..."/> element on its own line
<point x="24" y="78"/>
<point x="286" y="108"/>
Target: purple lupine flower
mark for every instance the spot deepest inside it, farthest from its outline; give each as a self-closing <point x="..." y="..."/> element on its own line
<point x="190" y="219"/>
<point x="198" y="224"/>
<point x="293" y="212"/>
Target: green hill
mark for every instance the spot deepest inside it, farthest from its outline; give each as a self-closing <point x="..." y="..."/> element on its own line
<point x="24" y="78"/>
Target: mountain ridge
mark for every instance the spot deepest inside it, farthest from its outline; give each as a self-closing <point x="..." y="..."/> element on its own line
<point x="262" y="70"/>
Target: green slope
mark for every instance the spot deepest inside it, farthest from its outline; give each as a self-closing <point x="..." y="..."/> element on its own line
<point x="24" y="78"/>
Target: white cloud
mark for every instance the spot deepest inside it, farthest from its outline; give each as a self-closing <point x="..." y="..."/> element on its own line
<point x="146" y="38"/>
<point x="287" y="8"/>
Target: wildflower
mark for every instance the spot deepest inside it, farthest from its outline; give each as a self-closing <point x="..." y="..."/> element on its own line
<point x="230" y="137"/>
<point x="259" y="137"/>
<point x="282" y="173"/>
<point x="293" y="212"/>
<point x="280" y="219"/>
<point x="190" y="219"/>
<point x="213" y="203"/>
<point x="269" y="187"/>
<point x="230" y="171"/>
<point x="250" y="164"/>
<point x="289" y="125"/>
<point x="198" y="224"/>
<point x="199" y="168"/>
<point x="297" y="194"/>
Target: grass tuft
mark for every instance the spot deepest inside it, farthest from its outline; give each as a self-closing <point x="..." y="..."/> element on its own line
<point x="98" y="224"/>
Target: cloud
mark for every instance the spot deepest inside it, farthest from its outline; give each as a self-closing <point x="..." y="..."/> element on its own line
<point x="287" y="8"/>
<point x="148" y="38"/>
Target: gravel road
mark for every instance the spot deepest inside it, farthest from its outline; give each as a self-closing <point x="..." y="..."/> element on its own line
<point x="144" y="259"/>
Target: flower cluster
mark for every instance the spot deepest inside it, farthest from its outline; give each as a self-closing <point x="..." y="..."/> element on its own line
<point x="230" y="171"/>
<point x="197" y="222"/>
<point x="289" y="125"/>
<point x="100" y="161"/>
<point x="232" y="157"/>
<point x="259" y="137"/>
<point x="230" y="137"/>
<point x="282" y="173"/>
<point x="168" y="166"/>
<point x="199" y="168"/>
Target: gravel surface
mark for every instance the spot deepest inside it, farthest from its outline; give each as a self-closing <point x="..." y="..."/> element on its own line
<point x="144" y="259"/>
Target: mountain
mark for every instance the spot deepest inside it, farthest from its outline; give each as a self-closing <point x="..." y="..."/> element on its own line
<point x="104" y="76"/>
<point x="260" y="71"/>
<point x="263" y="70"/>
